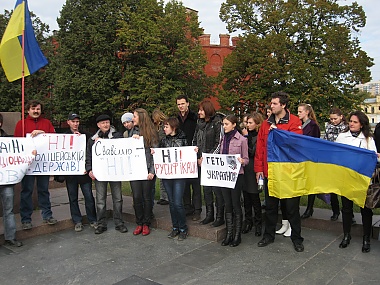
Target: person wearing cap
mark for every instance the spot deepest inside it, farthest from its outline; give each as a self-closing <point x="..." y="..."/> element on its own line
<point x="34" y="124"/>
<point x="105" y="131"/>
<point x="127" y="122"/>
<point x="84" y="181"/>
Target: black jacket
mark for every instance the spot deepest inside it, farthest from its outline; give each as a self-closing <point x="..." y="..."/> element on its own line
<point x="207" y="135"/>
<point x="178" y="140"/>
<point x="188" y="125"/>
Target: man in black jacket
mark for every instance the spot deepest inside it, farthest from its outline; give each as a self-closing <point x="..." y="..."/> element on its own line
<point x="84" y="181"/>
<point x="188" y="122"/>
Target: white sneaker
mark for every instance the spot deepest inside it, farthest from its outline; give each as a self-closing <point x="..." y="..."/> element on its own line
<point x="288" y="232"/>
<point x="284" y="228"/>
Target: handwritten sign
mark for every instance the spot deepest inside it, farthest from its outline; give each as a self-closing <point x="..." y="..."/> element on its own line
<point x="220" y="170"/>
<point x="15" y="158"/>
<point x="175" y="162"/>
<point x="119" y="159"/>
<point x="59" y="154"/>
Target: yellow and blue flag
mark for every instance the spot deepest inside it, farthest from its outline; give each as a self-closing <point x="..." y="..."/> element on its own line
<point x="300" y="165"/>
<point x="11" y="45"/>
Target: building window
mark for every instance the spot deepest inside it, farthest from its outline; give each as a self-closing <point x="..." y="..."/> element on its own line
<point x="366" y="111"/>
<point x="372" y="110"/>
<point x="373" y="120"/>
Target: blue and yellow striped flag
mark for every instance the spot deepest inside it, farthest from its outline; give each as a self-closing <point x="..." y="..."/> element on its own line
<point x="11" y="45"/>
<point x="301" y="165"/>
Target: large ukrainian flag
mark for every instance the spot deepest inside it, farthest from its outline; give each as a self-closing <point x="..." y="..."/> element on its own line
<point x="300" y="165"/>
<point x="11" y="45"/>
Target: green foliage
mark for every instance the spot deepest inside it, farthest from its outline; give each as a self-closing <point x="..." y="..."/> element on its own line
<point x="161" y="56"/>
<point x="307" y="48"/>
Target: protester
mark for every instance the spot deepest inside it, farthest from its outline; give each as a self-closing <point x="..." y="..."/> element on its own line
<point x="359" y="135"/>
<point x="2" y="132"/>
<point x="175" y="188"/>
<point x="105" y="131"/>
<point x="336" y="125"/>
<point x="187" y="123"/>
<point x="158" y="118"/>
<point x="142" y="189"/>
<point x="233" y="143"/>
<point x="207" y="138"/>
<point x="84" y="181"/>
<point x="251" y="193"/>
<point x="310" y="128"/>
<point x="126" y="120"/>
<point x="281" y="119"/>
<point x="34" y="125"/>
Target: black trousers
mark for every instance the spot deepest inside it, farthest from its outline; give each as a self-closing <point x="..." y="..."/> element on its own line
<point x="209" y="192"/>
<point x="292" y="212"/>
<point x="193" y="201"/>
<point x="231" y="197"/>
<point x="252" y="200"/>
<point x="142" y="200"/>
<point x="347" y="213"/>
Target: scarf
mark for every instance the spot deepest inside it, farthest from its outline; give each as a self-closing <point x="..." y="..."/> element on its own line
<point x="227" y="140"/>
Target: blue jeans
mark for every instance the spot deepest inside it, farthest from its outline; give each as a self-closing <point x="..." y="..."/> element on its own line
<point x="72" y="186"/>
<point x="175" y="189"/>
<point x="26" y="203"/>
<point x="101" y="202"/>
<point x="7" y="194"/>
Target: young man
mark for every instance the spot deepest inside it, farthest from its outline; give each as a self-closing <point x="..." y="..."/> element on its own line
<point x="188" y="122"/>
<point x="105" y="131"/>
<point x="34" y="125"/>
<point x="84" y="181"/>
<point x="281" y="119"/>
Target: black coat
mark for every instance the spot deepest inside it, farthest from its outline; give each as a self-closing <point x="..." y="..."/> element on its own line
<point x="188" y="125"/>
<point x="207" y="135"/>
<point x="178" y="140"/>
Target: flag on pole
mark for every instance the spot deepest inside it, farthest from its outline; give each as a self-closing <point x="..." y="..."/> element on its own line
<point x="301" y="165"/>
<point x="11" y="45"/>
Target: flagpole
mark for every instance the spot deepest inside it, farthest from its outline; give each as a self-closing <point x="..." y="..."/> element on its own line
<point x="23" y="84"/>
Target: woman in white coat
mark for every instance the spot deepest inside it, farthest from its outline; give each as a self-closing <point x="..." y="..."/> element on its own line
<point x="358" y="134"/>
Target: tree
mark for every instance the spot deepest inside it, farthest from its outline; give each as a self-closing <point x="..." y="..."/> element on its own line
<point x="87" y="69"/>
<point x="308" y="48"/>
<point x="36" y="85"/>
<point x="162" y="55"/>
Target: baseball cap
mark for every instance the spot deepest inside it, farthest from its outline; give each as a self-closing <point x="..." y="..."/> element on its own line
<point x="103" y="118"/>
<point x="127" y="117"/>
<point x="72" y="116"/>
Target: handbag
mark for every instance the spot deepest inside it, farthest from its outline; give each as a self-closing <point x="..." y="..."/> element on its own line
<point x="373" y="192"/>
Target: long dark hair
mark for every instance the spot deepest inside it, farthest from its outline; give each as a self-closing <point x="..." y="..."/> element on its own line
<point x="364" y="121"/>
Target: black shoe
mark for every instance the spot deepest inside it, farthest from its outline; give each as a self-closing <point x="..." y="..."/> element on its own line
<point x="264" y="242"/>
<point x="164" y="202"/>
<point x="334" y="217"/>
<point x="366" y="244"/>
<point x="122" y="229"/>
<point x="353" y="222"/>
<point x="196" y="217"/>
<point x="207" y="220"/>
<point x="247" y="226"/>
<point x="308" y="213"/>
<point x="258" y="231"/>
<point x="298" y="247"/>
<point x="99" y="230"/>
<point x="346" y="241"/>
<point x="173" y="234"/>
<point x="13" y="242"/>
<point x="218" y="222"/>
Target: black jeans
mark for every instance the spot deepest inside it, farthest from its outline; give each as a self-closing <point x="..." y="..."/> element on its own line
<point x="231" y="197"/>
<point x="347" y="213"/>
<point x="142" y="200"/>
<point x="193" y="201"/>
<point x="292" y="212"/>
<point x="252" y="200"/>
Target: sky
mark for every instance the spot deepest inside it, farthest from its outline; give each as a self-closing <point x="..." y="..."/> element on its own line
<point x="208" y="11"/>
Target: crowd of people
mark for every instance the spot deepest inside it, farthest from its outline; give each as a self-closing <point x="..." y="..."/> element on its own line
<point x="209" y="132"/>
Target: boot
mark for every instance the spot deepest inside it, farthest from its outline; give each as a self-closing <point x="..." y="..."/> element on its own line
<point x="309" y="209"/>
<point x="346" y="240"/>
<point x="227" y="240"/>
<point x="366" y="244"/>
<point x="219" y="217"/>
<point x="209" y="215"/>
<point x="237" y="225"/>
<point x="247" y="226"/>
<point x="258" y="230"/>
<point x="288" y="232"/>
<point x="284" y="228"/>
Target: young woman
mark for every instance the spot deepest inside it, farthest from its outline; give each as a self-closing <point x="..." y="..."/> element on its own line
<point x="175" y="137"/>
<point x="359" y="135"/>
<point x="158" y="118"/>
<point x="309" y="128"/>
<point x="336" y="125"/>
<point x="142" y="189"/>
<point x="207" y="138"/>
<point x="251" y="191"/>
<point x="233" y="143"/>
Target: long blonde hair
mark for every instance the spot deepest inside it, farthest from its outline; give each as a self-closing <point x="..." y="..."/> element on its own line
<point x="158" y="118"/>
<point x="146" y="128"/>
<point x="310" y="109"/>
<point x="257" y="118"/>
